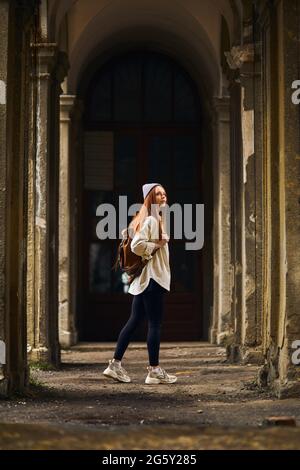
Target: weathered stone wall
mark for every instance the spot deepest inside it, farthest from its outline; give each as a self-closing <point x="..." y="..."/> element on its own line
<point x="256" y="195"/>
<point x="265" y="140"/>
<point x="69" y="116"/>
<point x="4" y="21"/>
<point x="282" y="137"/>
<point x="221" y="328"/>
<point x="289" y="138"/>
<point x="17" y="29"/>
<point x="244" y="63"/>
<point x="49" y="69"/>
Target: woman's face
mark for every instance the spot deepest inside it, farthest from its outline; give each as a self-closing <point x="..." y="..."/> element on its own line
<point x="160" y="195"/>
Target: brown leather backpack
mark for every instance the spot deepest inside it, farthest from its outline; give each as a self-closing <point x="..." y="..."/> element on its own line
<point x="128" y="261"/>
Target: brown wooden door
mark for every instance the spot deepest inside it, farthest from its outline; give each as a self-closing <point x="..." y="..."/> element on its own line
<point x="140" y="156"/>
<point x="148" y="107"/>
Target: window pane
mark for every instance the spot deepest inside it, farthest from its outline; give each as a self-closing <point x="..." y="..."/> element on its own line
<point x="184" y="106"/>
<point x="99" y="160"/>
<point x="100" y="267"/>
<point x="100" y="100"/>
<point x="125" y="162"/>
<point x="183" y="268"/>
<point x="158" y="89"/>
<point x="187" y="196"/>
<point x="95" y="198"/>
<point x="127" y="89"/>
<point x="160" y="149"/>
<point x="185" y="164"/>
<point x="142" y="86"/>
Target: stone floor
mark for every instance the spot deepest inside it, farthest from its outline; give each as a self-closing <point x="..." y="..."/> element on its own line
<point x="213" y="405"/>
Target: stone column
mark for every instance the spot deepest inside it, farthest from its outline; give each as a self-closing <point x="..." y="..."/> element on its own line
<point x="222" y="326"/>
<point x="289" y="128"/>
<point x="237" y="217"/>
<point x="51" y="66"/>
<point x="258" y="191"/>
<point x="246" y="209"/>
<point x="252" y="206"/>
<point x="67" y="226"/>
<point x="4" y="314"/>
<point x="281" y="36"/>
<point x="17" y="27"/>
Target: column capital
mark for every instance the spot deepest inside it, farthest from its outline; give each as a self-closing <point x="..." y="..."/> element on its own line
<point x="46" y="55"/>
<point x="239" y="58"/>
<point x="51" y="63"/>
<point x="238" y="55"/>
<point x="244" y="67"/>
<point x="67" y="103"/>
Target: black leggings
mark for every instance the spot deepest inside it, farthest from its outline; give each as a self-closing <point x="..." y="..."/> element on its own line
<point x="150" y="303"/>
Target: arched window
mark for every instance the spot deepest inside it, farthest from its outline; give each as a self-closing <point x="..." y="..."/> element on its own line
<point x="142" y="88"/>
<point x="141" y="123"/>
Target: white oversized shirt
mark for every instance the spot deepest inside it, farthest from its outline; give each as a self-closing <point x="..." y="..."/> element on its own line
<point x="157" y="267"/>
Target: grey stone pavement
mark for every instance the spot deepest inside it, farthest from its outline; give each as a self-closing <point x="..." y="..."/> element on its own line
<point x="213" y="405"/>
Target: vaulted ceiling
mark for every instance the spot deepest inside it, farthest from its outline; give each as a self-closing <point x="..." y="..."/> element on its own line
<point x="188" y="30"/>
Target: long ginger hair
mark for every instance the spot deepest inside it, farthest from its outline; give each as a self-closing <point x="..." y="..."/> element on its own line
<point x="138" y="220"/>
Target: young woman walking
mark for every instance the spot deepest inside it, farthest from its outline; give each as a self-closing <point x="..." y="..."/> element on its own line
<point x="149" y="288"/>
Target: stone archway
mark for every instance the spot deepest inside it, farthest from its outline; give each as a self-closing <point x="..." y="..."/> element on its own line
<point x="199" y="59"/>
<point x="104" y="303"/>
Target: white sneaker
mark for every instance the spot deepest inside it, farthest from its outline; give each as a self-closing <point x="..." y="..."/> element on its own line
<point x="159" y="376"/>
<point x="116" y="372"/>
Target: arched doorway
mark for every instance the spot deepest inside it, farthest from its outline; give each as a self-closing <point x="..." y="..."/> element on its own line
<point x="141" y="123"/>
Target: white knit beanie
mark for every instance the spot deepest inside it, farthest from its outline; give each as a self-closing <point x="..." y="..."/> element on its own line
<point x="147" y="188"/>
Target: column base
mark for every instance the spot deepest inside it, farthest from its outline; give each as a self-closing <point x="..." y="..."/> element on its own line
<point x="45" y="357"/>
<point x="68" y="339"/>
<point x="4" y="388"/>
<point x="224" y="338"/>
<point x="16" y="382"/>
<point x="244" y="355"/>
<point x="280" y="387"/>
<point x="291" y="389"/>
<point x="213" y="335"/>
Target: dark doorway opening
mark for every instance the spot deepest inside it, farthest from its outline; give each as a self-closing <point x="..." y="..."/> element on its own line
<point x="142" y="122"/>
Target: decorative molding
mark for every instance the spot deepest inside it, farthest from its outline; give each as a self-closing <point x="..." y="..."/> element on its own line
<point x="45" y="56"/>
<point x="51" y="63"/>
<point x="67" y="103"/>
<point x="238" y="55"/>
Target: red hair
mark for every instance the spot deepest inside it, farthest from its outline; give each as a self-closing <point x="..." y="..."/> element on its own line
<point x="138" y="220"/>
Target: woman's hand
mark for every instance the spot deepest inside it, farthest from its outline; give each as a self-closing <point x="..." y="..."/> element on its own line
<point x="161" y="243"/>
